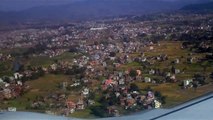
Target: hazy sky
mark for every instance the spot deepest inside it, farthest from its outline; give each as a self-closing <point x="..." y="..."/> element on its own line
<point x="24" y="4"/>
<point x="9" y="5"/>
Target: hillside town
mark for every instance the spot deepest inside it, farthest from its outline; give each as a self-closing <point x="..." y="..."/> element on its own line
<point x="112" y="67"/>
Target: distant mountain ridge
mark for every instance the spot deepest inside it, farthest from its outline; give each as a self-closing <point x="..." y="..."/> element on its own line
<point x="199" y="7"/>
<point x="90" y="9"/>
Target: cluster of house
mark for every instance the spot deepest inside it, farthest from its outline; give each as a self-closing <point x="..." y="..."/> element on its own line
<point x="119" y="84"/>
<point x="53" y="53"/>
<point x="58" y="40"/>
<point x="79" y="105"/>
<point x="130" y="98"/>
<point x="4" y="57"/>
<point x="95" y="65"/>
<point x="59" y="103"/>
<point x="193" y="82"/>
<point x="100" y="60"/>
<point x="11" y="87"/>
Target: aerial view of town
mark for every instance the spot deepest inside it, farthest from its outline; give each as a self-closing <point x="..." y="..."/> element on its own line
<point x="106" y="67"/>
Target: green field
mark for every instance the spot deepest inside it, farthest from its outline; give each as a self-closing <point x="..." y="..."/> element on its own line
<point x="174" y="94"/>
<point x="46" y="61"/>
<point x="40" y="87"/>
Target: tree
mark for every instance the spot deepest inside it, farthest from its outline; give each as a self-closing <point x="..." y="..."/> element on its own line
<point x="3" y="67"/>
<point x="91" y="95"/>
<point x="133" y="73"/>
<point x="24" y="79"/>
<point x="134" y="87"/>
<point x="113" y="99"/>
<point x="126" y="39"/>
<point x="75" y="70"/>
<point x="173" y="69"/>
<point x="34" y="76"/>
<point x="142" y="35"/>
<point x="6" y="79"/>
<point x="99" y="111"/>
<point x="95" y="42"/>
<point x="200" y="78"/>
<point x="73" y="49"/>
<point x="160" y="97"/>
<point x="195" y="85"/>
<point x="112" y="54"/>
<point x="211" y="75"/>
<point x="148" y="88"/>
